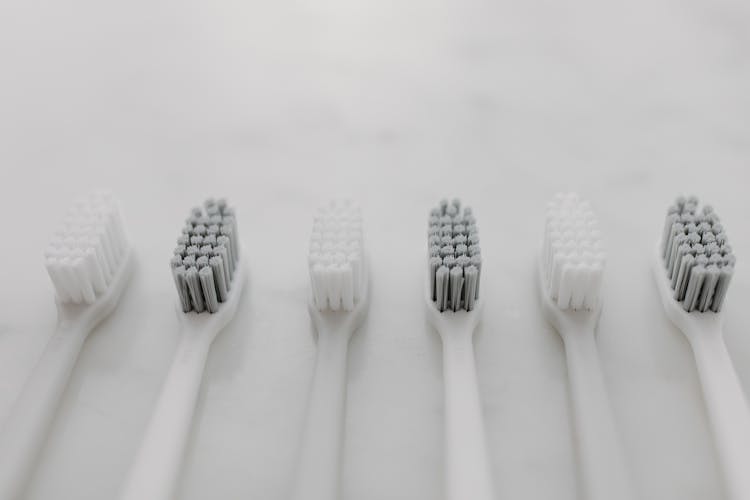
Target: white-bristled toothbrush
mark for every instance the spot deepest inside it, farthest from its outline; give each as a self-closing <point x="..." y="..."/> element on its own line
<point x="693" y="265"/>
<point x="209" y="275"/>
<point x="570" y="270"/>
<point x="89" y="261"/>
<point x="453" y="309"/>
<point x="339" y="289"/>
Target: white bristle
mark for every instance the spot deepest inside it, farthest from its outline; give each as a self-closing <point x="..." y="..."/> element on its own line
<point x="572" y="256"/>
<point x="87" y="249"/>
<point x="335" y="258"/>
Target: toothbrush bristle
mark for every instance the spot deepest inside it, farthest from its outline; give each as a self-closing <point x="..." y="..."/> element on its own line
<point x="206" y="257"/>
<point x="336" y="259"/>
<point x="87" y="249"/>
<point x="697" y="257"/>
<point x="572" y="255"/>
<point x="454" y="257"/>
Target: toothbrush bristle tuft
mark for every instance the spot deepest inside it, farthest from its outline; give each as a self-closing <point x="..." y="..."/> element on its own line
<point x="454" y="257"/>
<point x="87" y="249"/>
<point x="206" y="257"/>
<point x="572" y="254"/>
<point x="336" y="258"/>
<point x="697" y="257"/>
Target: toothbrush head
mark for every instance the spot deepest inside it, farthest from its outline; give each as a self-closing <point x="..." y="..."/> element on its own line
<point x="206" y="261"/>
<point x="572" y="258"/>
<point x="697" y="262"/>
<point x="338" y="276"/>
<point x="89" y="252"/>
<point x="454" y="258"/>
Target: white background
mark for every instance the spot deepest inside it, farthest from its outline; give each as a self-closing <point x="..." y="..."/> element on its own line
<point x="281" y="105"/>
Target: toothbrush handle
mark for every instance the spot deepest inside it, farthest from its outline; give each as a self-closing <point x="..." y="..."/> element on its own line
<point x="320" y="452"/>
<point x="157" y="465"/>
<point x="727" y="409"/>
<point x="602" y="465"/>
<point x="467" y="469"/>
<point x="25" y="430"/>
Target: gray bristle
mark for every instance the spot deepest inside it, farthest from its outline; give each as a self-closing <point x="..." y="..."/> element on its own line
<point x="454" y="264"/>
<point x="212" y="209"/>
<point x="471" y="274"/>
<point x="227" y="264"/>
<point x="476" y="262"/>
<point x="220" y="277"/>
<point x="209" y="288"/>
<point x="697" y="256"/>
<point x="441" y="287"/>
<point x="449" y="261"/>
<point x="434" y="263"/>
<point x="223" y="243"/>
<point x="206" y="257"/>
<point x="182" y="289"/>
<point x="456" y="286"/>
<point x="194" y="287"/>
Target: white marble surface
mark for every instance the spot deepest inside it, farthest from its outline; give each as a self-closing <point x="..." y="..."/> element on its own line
<point x="279" y="105"/>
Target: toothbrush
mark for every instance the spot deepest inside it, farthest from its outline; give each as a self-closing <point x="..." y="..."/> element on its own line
<point x="89" y="261"/>
<point x="571" y="266"/>
<point x="209" y="276"/>
<point x="339" y="289"/>
<point x="693" y="265"/>
<point x="453" y="309"/>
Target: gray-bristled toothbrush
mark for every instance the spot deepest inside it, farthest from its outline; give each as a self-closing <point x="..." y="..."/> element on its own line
<point x="693" y="265"/>
<point x="454" y="308"/>
<point x="209" y="275"/>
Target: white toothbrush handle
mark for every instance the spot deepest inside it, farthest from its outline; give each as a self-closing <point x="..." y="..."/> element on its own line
<point x="25" y="430"/>
<point x="467" y="469"/>
<point x="602" y="465"/>
<point x="727" y="409"/>
<point x="320" y="454"/>
<point x="159" y="459"/>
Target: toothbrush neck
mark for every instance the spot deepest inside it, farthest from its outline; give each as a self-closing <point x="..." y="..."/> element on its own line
<point x="334" y="338"/>
<point x="457" y="334"/>
<point x="704" y="329"/>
